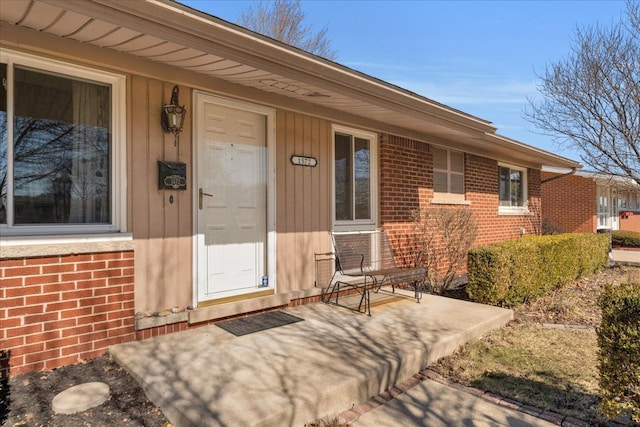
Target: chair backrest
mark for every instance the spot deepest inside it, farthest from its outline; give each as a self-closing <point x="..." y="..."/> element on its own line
<point x="358" y="252"/>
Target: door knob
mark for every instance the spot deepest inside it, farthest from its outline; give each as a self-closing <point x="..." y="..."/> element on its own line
<point x="201" y="195"/>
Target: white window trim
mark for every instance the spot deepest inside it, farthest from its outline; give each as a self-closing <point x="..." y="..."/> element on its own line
<point x="516" y="210"/>
<point x="118" y="153"/>
<point x="369" y="224"/>
<point x="448" y="198"/>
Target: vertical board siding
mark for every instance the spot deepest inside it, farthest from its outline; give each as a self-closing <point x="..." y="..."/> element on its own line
<point x="139" y="202"/>
<point x="156" y="262"/>
<point x="162" y="230"/>
<point x="183" y="287"/>
<point x="304" y="206"/>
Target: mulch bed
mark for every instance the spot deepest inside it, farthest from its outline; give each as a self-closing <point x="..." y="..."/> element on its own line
<point x="25" y="400"/>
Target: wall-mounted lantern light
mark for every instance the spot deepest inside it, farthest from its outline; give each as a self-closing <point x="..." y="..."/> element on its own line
<point x="173" y="115"/>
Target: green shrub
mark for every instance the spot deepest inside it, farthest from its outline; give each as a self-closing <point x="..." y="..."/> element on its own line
<point x="619" y="358"/>
<point x="512" y="272"/>
<point x="625" y="238"/>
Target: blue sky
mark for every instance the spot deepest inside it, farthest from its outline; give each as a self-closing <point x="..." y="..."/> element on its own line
<point x="480" y="57"/>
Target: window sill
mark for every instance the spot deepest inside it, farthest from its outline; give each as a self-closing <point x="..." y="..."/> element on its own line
<point x="446" y="201"/>
<point x="34" y="246"/>
<point x="354" y="226"/>
<point x="514" y="212"/>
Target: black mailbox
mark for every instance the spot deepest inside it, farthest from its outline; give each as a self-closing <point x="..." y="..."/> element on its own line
<point x="172" y="175"/>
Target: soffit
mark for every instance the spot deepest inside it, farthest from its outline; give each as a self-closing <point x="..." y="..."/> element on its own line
<point x="169" y="33"/>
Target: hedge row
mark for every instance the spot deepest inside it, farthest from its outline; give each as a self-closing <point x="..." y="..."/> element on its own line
<point x="625" y="238"/>
<point x="619" y="342"/>
<point x="512" y="272"/>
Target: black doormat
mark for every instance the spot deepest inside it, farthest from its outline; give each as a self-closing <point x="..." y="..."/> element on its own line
<point x="257" y="323"/>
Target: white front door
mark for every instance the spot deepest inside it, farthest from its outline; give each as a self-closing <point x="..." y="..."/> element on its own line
<point x="231" y="199"/>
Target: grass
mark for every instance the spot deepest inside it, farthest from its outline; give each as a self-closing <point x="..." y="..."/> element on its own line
<point x="546" y="367"/>
<point x="551" y="369"/>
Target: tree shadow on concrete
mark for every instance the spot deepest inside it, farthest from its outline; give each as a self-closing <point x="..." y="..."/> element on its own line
<point x="431" y="404"/>
<point x="292" y="374"/>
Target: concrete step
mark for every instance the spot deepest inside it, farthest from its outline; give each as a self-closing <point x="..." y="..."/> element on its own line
<point x="294" y="374"/>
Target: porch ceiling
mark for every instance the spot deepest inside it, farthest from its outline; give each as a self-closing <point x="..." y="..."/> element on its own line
<point x="170" y="33"/>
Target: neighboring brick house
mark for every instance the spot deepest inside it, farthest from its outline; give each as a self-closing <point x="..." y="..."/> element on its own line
<point x="119" y="220"/>
<point x="587" y="202"/>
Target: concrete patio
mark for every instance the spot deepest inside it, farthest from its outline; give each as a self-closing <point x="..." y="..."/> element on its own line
<point x="294" y="374"/>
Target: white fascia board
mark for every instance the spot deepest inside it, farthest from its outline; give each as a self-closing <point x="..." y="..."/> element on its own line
<point x="533" y="154"/>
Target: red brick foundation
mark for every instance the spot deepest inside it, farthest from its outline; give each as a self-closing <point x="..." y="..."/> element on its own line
<point x="59" y="310"/>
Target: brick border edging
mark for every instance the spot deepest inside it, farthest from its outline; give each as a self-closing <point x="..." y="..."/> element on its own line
<point x="351" y="415"/>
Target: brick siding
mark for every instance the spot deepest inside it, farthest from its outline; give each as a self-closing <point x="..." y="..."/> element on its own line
<point x="59" y="310"/>
<point x="481" y="188"/>
<point x="630" y="223"/>
<point x="406" y="184"/>
<point x="569" y="204"/>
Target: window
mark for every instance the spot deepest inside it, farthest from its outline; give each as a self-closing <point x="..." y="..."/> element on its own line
<point x="448" y="173"/>
<point x="354" y="184"/>
<point x="629" y="200"/>
<point x="624" y="201"/>
<point x="603" y="209"/>
<point x="512" y="189"/>
<point x="60" y="153"/>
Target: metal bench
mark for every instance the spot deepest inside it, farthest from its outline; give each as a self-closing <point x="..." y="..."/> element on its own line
<point x="365" y="261"/>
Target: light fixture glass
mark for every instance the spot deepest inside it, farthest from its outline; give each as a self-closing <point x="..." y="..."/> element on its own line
<point x="173" y="114"/>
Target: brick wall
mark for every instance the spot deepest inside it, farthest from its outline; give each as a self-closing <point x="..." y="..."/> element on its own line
<point x="481" y="187"/>
<point x="59" y="310"/>
<point x="406" y="183"/>
<point x="569" y="203"/>
<point x="630" y="222"/>
<point x="406" y="180"/>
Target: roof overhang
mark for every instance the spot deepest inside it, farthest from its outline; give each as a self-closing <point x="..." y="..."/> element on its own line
<point x="170" y="33"/>
<point x="599" y="178"/>
<point x="609" y="179"/>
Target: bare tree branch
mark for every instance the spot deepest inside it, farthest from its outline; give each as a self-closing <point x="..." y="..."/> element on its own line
<point x="591" y="99"/>
<point x="283" y="20"/>
<point x="439" y="242"/>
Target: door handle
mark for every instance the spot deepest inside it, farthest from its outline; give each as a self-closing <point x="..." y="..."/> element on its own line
<point x="201" y="195"/>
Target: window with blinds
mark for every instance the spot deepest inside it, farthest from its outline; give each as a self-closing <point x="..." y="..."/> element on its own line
<point x="448" y="173"/>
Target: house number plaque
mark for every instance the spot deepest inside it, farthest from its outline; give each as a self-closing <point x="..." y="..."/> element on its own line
<point x="304" y="161"/>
